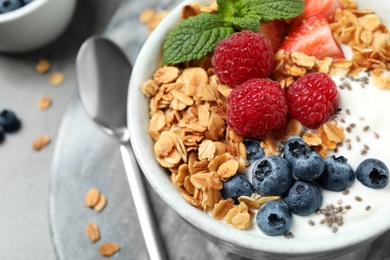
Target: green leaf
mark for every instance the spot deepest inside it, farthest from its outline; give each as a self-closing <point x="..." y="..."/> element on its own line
<point x="195" y="37"/>
<point x="241" y="23"/>
<point x="270" y="10"/>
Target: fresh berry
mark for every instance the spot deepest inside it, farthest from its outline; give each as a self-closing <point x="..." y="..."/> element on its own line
<point x="253" y="149"/>
<point x="295" y="148"/>
<point x="312" y="99"/>
<point x="9" y="5"/>
<point x="274" y="218"/>
<point x="338" y="174"/>
<point x="237" y="186"/>
<point x="373" y="173"/>
<point x="308" y="167"/>
<point x="1" y="134"/>
<point x="303" y="198"/>
<point x="274" y="31"/>
<point x="313" y="7"/>
<point x="256" y="107"/>
<point x="9" y="121"/>
<point x="242" y="56"/>
<point x="271" y="176"/>
<point x="313" y="38"/>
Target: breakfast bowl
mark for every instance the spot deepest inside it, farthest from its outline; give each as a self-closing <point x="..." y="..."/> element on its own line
<point x="33" y="25"/>
<point x="310" y="236"/>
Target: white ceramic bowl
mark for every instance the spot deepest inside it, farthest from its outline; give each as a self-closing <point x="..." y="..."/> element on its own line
<point x="34" y="25"/>
<point x="251" y="243"/>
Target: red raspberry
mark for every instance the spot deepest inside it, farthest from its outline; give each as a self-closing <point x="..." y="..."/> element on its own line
<point x="312" y="99"/>
<point x="242" y="56"/>
<point x="256" y="107"/>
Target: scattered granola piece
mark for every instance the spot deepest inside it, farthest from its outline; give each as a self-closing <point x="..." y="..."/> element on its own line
<point x="92" y="197"/>
<point x="101" y="203"/>
<point x="108" y="248"/>
<point x="44" y="103"/>
<point x="41" y="142"/>
<point x="57" y="78"/>
<point x="42" y="66"/>
<point x="92" y="232"/>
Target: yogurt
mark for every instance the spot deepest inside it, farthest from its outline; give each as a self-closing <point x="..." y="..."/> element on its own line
<point x="363" y="117"/>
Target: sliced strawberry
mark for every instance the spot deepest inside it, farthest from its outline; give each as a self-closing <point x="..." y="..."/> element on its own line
<point x="274" y="31"/>
<point x="313" y="38"/>
<point x="314" y="7"/>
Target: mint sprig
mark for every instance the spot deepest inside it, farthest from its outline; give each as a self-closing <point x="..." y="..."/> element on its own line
<point x="198" y="35"/>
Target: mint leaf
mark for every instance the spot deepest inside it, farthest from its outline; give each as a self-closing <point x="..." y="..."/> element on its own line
<point x="239" y="14"/>
<point x="195" y="37"/>
<point x="241" y="23"/>
<point x="270" y="10"/>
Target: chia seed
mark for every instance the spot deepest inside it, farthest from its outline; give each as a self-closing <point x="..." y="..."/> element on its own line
<point x="368" y="207"/>
<point x="289" y="235"/>
<point x="357" y="198"/>
<point x="334" y="229"/>
<point x="365" y="128"/>
<point x="311" y="222"/>
<point x="345" y="192"/>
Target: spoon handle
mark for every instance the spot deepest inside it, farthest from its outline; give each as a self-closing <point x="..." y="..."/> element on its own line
<point x="150" y="231"/>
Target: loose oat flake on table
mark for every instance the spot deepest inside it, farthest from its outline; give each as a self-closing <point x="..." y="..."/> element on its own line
<point x="188" y="102"/>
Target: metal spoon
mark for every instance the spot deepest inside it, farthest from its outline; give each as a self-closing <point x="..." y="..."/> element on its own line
<point x="103" y="73"/>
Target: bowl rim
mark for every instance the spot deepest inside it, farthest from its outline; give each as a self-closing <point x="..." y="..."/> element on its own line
<point x="22" y="11"/>
<point x="222" y="233"/>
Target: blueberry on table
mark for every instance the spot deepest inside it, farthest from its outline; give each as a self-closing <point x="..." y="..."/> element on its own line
<point x="253" y="149"/>
<point x="373" y="173"/>
<point x="338" y="174"/>
<point x="1" y="134"/>
<point x="295" y="148"/>
<point x="274" y="218"/>
<point x="237" y="186"/>
<point x="303" y="198"/>
<point x="271" y="176"/>
<point x="308" y="167"/>
<point x="9" y="121"/>
<point x="9" y="5"/>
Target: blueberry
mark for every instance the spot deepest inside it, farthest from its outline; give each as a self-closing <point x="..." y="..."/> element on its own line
<point x="338" y="174"/>
<point x="237" y="186"/>
<point x="24" y="2"/>
<point x="1" y="134"/>
<point x="9" y="121"/>
<point x="303" y="198"/>
<point x="373" y="173"/>
<point x="274" y="218"/>
<point x="295" y="148"/>
<point x="253" y="149"/>
<point x="308" y="167"/>
<point x="271" y="175"/>
<point x="9" y="5"/>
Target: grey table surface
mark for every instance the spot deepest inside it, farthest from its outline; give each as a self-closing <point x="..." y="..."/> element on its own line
<point x="42" y="215"/>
